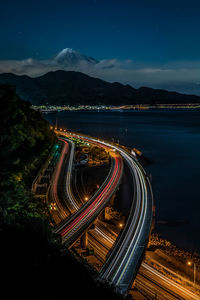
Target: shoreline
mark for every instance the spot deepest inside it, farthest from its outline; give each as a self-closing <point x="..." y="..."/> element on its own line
<point x="102" y="108"/>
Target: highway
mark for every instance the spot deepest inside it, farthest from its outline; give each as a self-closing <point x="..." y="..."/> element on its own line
<point x="152" y="282"/>
<point x="148" y="281"/>
<point x="85" y="215"/>
<point x="59" y="191"/>
<point x="101" y="239"/>
<point x="122" y="264"/>
<point x="59" y="211"/>
<point x="127" y="252"/>
<point x="125" y="258"/>
<point x="70" y="200"/>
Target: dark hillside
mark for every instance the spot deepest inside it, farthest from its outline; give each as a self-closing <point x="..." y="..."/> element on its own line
<point x="26" y="140"/>
<point x="73" y="88"/>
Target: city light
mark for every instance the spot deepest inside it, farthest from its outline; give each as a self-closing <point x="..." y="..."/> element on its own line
<point x="53" y="206"/>
<point x="190" y="263"/>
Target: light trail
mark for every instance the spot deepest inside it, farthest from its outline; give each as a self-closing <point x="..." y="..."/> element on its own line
<point x="97" y="204"/>
<point x="116" y="272"/>
<point x="70" y="199"/>
<point x="155" y="276"/>
<point x="124" y="260"/>
<point x="148" y="279"/>
<point x="61" y="212"/>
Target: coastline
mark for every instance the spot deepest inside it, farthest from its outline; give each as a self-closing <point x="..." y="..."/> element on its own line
<point x="103" y="108"/>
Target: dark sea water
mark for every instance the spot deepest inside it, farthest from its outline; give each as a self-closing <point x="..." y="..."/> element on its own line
<point x="171" y="139"/>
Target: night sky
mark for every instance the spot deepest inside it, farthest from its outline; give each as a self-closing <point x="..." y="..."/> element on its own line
<point x="155" y="33"/>
<point x="137" y="29"/>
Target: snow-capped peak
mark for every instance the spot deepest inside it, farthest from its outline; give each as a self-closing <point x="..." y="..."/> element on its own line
<point x="69" y="56"/>
<point x="65" y="51"/>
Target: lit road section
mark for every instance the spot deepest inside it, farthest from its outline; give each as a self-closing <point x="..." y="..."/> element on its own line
<point x="122" y="265"/>
<point x="69" y="197"/>
<point x="125" y="258"/>
<point x="149" y="279"/>
<point x="86" y="215"/>
<point x="59" y="213"/>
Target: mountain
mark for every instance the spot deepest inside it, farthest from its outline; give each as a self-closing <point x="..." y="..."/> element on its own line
<point x="67" y="60"/>
<point x="69" y="57"/>
<point x="171" y="77"/>
<point x="73" y="88"/>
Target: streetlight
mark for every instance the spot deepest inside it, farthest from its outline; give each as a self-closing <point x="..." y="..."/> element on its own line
<point x="86" y="198"/>
<point x="189" y="263"/>
<point x="53" y="206"/>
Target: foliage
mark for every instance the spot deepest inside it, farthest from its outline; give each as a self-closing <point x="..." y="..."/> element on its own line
<point x="26" y="140"/>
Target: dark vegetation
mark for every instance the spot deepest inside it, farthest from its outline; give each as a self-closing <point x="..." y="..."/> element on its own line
<point x="33" y="262"/>
<point x="26" y="140"/>
<point x="73" y="88"/>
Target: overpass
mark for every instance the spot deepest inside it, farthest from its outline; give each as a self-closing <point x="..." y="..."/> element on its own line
<point x="125" y="258"/>
<point x="77" y="223"/>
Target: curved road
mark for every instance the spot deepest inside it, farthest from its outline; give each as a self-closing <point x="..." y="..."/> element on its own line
<point x="59" y="212"/>
<point x="76" y="225"/>
<point x="148" y="280"/>
<point x="122" y="265"/>
<point x="69" y="197"/>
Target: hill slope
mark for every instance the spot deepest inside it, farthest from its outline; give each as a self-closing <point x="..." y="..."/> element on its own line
<point x="69" y="87"/>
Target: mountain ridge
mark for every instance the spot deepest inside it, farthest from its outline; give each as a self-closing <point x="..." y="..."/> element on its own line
<point x="73" y="88"/>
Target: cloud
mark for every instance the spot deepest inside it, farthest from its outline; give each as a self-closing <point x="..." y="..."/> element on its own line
<point x="180" y="76"/>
